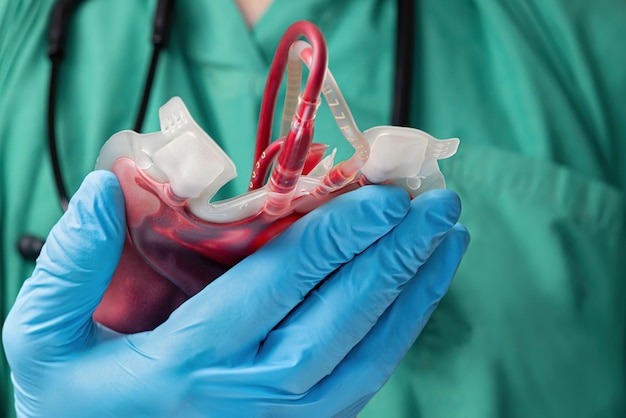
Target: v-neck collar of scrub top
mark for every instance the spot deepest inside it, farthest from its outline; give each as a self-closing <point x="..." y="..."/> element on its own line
<point x="230" y="42"/>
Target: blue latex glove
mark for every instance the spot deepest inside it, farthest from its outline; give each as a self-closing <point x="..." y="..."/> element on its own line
<point x="311" y="325"/>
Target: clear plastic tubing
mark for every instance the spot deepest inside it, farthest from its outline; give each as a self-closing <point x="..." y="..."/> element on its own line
<point x="345" y="171"/>
<point x="292" y="156"/>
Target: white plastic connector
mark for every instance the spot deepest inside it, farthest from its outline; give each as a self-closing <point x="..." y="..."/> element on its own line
<point x="193" y="163"/>
<point x="407" y="156"/>
<point x="182" y="154"/>
<point x="195" y="167"/>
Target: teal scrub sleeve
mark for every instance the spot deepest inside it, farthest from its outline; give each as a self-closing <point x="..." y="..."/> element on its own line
<point x="312" y="324"/>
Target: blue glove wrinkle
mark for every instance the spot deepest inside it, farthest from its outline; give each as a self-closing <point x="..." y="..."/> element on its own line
<point x="398" y="328"/>
<point x="270" y="282"/>
<point x="148" y="386"/>
<point x="94" y="222"/>
<point x="444" y="211"/>
<point x="349" y="223"/>
<point x="53" y="309"/>
<point x="213" y="356"/>
<point x="360" y="292"/>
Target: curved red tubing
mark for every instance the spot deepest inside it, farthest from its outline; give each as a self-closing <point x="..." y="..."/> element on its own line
<point x="309" y="97"/>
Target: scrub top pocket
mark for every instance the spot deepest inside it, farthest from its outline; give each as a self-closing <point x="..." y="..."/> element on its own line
<point x="534" y="322"/>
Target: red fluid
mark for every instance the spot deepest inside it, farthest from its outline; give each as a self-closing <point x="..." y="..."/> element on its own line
<point x="170" y="254"/>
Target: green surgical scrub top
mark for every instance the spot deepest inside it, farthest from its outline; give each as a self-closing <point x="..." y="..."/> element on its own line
<point x="534" y="323"/>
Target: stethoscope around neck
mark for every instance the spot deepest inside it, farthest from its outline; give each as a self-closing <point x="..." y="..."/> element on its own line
<point x="30" y="246"/>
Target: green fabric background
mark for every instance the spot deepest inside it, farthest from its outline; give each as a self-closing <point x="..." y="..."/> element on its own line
<point x="534" y="324"/>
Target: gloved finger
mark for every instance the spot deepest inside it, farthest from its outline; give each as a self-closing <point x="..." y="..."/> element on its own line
<point x="238" y="309"/>
<point x="335" y="317"/>
<point x="54" y="307"/>
<point x="368" y="366"/>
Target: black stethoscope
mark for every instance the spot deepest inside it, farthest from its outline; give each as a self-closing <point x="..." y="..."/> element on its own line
<point x="30" y="246"/>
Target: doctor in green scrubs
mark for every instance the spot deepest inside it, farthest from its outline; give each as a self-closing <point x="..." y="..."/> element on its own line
<point x="534" y="324"/>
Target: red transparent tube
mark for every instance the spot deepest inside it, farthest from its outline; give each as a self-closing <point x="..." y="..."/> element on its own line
<point x="170" y="254"/>
<point x="290" y="161"/>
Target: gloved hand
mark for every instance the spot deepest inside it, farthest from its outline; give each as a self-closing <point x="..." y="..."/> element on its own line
<point x="311" y="325"/>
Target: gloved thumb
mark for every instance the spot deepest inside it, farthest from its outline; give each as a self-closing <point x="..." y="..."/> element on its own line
<point x="54" y="307"/>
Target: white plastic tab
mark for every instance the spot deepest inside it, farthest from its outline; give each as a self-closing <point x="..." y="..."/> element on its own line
<point x="185" y="157"/>
<point x="181" y="154"/>
<point x="407" y="156"/>
<point x="193" y="163"/>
